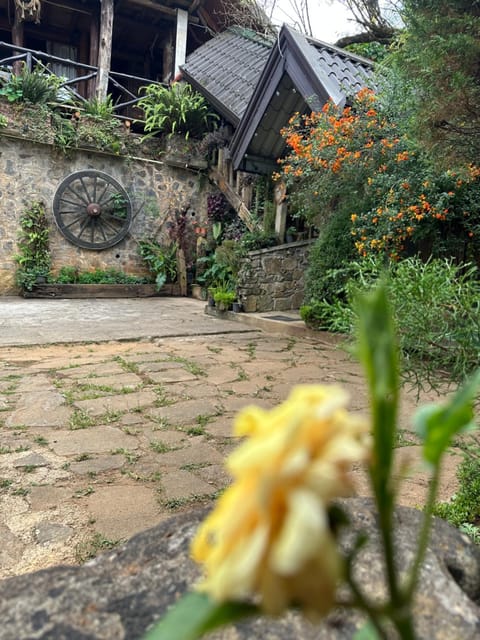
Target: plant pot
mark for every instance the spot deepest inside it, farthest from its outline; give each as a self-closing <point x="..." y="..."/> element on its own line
<point x="198" y="292"/>
<point x="237" y="307"/>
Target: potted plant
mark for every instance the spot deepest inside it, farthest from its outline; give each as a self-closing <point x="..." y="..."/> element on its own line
<point x="161" y="261"/>
<point x="223" y="298"/>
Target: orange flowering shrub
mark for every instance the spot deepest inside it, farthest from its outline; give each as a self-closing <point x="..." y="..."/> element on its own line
<point x="331" y="153"/>
<point x="355" y="161"/>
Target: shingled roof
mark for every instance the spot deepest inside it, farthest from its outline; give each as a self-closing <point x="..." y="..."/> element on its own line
<point x="226" y="70"/>
<point x="301" y="74"/>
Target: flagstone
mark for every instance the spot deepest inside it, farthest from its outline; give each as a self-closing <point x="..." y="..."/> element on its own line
<point x="97" y="465"/>
<point x="196" y="453"/>
<point x="186" y="412"/>
<point x="103" y="439"/>
<point x="40" y="409"/>
<point x="182" y="485"/>
<point x="121" y="511"/>
<point x="123" y="402"/>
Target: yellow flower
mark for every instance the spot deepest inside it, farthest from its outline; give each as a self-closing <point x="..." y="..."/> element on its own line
<point x="269" y="534"/>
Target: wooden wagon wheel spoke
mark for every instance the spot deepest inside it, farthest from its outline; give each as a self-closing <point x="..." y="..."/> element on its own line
<point x="92" y="210"/>
<point x="77" y="195"/>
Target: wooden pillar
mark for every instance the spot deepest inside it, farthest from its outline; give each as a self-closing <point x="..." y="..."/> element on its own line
<point x="167" y="71"/>
<point x="281" y="209"/>
<point x="93" y="55"/>
<point x="181" y="40"/>
<point x="17" y="38"/>
<point x="104" y="48"/>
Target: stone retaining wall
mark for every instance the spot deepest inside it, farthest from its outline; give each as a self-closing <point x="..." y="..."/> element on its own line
<point x="273" y="279"/>
<point x="31" y="171"/>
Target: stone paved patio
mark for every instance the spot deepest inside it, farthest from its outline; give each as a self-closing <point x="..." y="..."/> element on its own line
<point x="100" y="441"/>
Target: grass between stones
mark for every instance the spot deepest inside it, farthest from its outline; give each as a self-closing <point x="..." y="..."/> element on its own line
<point x="130" y="456"/>
<point x="161" y="447"/>
<point x="90" y="548"/>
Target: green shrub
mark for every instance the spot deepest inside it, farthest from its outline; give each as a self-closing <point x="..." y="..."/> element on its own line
<point x="329" y="260"/>
<point x="161" y="261"/>
<point x="215" y="273"/>
<point x="223" y="298"/>
<point x="71" y="275"/>
<point x="36" y="87"/>
<point x="333" y="316"/>
<point x="463" y="510"/>
<point x="104" y="109"/>
<point x="436" y="308"/>
<point x="178" y="109"/>
<point x="33" y="257"/>
<point x="255" y="240"/>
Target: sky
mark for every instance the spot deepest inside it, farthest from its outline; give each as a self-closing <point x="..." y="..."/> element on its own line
<point x="330" y="20"/>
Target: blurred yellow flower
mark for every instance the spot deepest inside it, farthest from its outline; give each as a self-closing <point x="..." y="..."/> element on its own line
<point x="269" y="534"/>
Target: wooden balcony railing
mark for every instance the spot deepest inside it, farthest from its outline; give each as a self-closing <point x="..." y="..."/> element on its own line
<point x="80" y="85"/>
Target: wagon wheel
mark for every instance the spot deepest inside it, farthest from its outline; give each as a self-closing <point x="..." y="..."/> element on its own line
<point x="92" y="210"/>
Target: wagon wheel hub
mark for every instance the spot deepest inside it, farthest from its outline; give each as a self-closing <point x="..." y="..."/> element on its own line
<point x="92" y="210"/>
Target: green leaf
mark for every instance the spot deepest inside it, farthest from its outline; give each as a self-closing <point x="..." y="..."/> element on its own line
<point x="438" y="424"/>
<point x="195" y="614"/>
<point x="377" y="350"/>
<point x="368" y="632"/>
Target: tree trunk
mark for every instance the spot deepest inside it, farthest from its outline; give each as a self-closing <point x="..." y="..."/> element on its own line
<point x="104" y="48"/>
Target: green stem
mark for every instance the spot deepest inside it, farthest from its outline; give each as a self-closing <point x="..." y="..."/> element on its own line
<point x="424" y="535"/>
<point x="404" y="626"/>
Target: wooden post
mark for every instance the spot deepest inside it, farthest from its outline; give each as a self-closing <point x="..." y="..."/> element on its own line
<point x="281" y="210"/>
<point x="167" y="72"/>
<point x="181" y="40"/>
<point x="17" y="38"/>
<point x="104" y="48"/>
<point x="93" y="55"/>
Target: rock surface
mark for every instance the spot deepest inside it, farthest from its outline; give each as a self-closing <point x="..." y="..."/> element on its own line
<point x="119" y="594"/>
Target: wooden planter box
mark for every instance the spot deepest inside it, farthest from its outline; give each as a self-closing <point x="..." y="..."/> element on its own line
<point x="101" y="291"/>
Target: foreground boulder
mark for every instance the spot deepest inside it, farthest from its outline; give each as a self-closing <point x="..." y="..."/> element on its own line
<point x="119" y="594"/>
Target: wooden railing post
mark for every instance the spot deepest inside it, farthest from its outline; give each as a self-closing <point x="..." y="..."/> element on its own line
<point x="104" y="48"/>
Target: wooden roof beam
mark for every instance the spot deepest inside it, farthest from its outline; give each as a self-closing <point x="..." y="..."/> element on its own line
<point x="161" y="8"/>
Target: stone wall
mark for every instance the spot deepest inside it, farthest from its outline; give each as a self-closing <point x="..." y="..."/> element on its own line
<point x="273" y="279"/>
<point x="31" y="171"/>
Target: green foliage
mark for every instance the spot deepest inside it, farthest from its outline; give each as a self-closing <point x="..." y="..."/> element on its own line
<point x="329" y="259"/>
<point x="220" y="268"/>
<point x="3" y="121"/>
<point x="375" y="51"/>
<point x="439" y="52"/>
<point x="196" y="615"/>
<point x="255" y="240"/>
<point x="223" y="297"/>
<point x="71" y="275"/>
<point x="102" y="131"/>
<point x="161" y="261"/>
<point x="333" y="316"/>
<point x="33" y="257"/>
<point x="36" y="87"/>
<point x="227" y="255"/>
<point x="436" y="307"/>
<point x="178" y="109"/>
<point x="103" y="109"/>
<point x="463" y="510"/>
